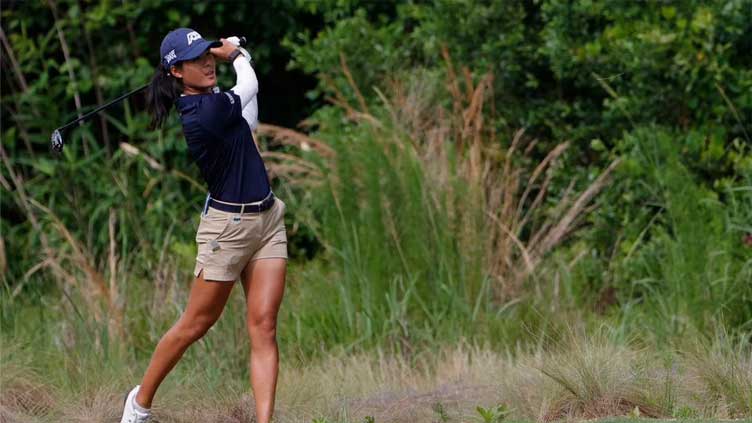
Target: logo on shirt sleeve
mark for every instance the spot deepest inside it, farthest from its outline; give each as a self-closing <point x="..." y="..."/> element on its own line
<point x="232" y="100"/>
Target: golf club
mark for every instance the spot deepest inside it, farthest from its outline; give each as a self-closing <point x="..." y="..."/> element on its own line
<point x="57" y="135"/>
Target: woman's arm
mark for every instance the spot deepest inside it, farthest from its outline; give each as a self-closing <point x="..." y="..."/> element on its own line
<point x="246" y="86"/>
<point x="250" y="113"/>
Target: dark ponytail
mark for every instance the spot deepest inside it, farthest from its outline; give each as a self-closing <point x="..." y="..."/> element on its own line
<point x="163" y="90"/>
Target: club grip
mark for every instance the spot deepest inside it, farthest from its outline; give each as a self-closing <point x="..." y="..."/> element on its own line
<point x="238" y="41"/>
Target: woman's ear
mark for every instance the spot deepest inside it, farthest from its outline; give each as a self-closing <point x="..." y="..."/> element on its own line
<point x="175" y="71"/>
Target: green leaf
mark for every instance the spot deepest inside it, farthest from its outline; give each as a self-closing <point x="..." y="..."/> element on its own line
<point x="44" y="165"/>
<point x="597" y="145"/>
<point x="668" y="12"/>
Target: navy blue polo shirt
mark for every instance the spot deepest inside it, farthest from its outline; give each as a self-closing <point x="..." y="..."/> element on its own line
<point x="221" y="143"/>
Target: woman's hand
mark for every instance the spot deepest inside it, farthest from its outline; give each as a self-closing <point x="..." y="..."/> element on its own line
<point x="223" y="53"/>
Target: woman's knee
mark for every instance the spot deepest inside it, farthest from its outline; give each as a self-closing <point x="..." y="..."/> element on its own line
<point x="262" y="328"/>
<point x="193" y="329"/>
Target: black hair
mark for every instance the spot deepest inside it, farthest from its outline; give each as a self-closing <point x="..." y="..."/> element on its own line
<point x="163" y="90"/>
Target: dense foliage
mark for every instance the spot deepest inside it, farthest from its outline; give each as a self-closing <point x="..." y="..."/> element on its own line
<point x="665" y="86"/>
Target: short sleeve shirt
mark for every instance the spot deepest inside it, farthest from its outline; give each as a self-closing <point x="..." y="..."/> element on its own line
<point x="221" y="143"/>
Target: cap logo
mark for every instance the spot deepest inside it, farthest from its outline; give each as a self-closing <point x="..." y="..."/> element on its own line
<point x="170" y="56"/>
<point x="193" y="36"/>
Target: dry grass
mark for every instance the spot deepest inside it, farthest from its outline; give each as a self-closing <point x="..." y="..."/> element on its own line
<point x="294" y="168"/>
<point x="24" y="394"/>
<point x="585" y="378"/>
<point x="719" y="378"/>
<point x="594" y="378"/>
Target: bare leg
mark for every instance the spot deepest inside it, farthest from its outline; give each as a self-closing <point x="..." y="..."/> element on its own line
<point x="264" y="286"/>
<point x="205" y="305"/>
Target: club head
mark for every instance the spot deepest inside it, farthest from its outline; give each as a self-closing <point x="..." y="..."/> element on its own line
<point x="57" y="141"/>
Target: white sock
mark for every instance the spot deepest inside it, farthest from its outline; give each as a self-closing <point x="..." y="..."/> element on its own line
<point x="139" y="408"/>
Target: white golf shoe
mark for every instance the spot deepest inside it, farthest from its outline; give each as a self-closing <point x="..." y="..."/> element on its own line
<point x="130" y="413"/>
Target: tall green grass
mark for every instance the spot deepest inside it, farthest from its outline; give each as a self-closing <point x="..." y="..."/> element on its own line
<point x="398" y="273"/>
<point x="692" y="269"/>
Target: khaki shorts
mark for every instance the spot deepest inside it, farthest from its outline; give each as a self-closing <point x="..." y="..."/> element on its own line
<point x="228" y="241"/>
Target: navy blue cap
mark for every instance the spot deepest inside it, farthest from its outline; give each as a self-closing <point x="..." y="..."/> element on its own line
<point x="183" y="44"/>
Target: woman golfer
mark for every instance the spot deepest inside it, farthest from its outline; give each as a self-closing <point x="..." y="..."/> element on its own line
<point x="241" y="232"/>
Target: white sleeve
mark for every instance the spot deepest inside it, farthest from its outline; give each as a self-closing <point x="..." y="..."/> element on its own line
<point x="246" y="86"/>
<point x="250" y="113"/>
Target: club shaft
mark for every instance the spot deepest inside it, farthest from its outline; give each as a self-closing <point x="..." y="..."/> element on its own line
<point x="87" y="115"/>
